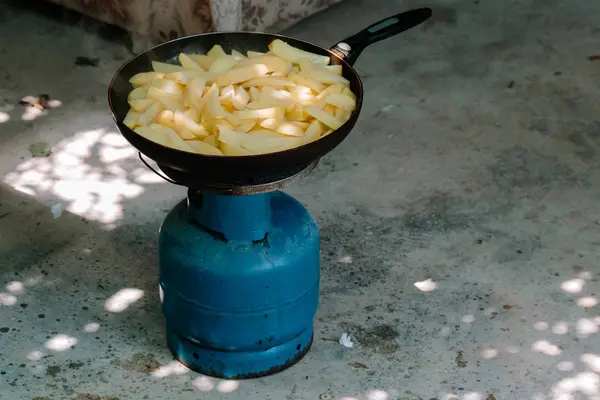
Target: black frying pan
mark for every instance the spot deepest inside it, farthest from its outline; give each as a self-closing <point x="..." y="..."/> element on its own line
<point x="199" y="171"/>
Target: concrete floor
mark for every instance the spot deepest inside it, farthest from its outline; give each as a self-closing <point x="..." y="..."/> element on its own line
<point x="460" y="220"/>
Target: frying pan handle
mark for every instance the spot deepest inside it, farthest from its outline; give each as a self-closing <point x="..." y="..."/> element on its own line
<point x="351" y="47"/>
<point x="155" y="171"/>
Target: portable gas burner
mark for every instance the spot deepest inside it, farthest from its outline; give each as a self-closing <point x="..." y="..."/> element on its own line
<point x="239" y="259"/>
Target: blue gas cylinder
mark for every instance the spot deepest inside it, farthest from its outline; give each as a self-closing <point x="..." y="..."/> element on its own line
<point x="239" y="281"/>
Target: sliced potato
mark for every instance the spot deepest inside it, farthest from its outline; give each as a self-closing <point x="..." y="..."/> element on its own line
<point x="242" y="74"/>
<point x="155" y="93"/>
<point x="195" y="91"/>
<point x="237" y="55"/>
<point x="246" y="125"/>
<point x="175" y="141"/>
<point x="225" y="123"/>
<point x="140" y="105"/>
<point x="313" y="132"/>
<point x="336" y="69"/>
<point x="302" y="95"/>
<point x="228" y="107"/>
<point x="301" y="124"/>
<point x="138" y="93"/>
<point x="193" y="114"/>
<point x="213" y="106"/>
<point x="331" y="89"/>
<point x="229" y="136"/>
<point x="289" y="53"/>
<point x="131" y="119"/>
<point x="185" y="134"/>
<point x="257" y="144"/>
<point x="342" y="115"/>
<point x="297" y="114"/>
<point x="200" y="102"/>
<point x="240" y="99"/>
<point x="324" y="76"/>
<point x="186" y="122"/>
<point x="201" y="147"/>
<point x="233" y="150"/>
<point x="226" y="95"/>
<point x="349" y="93"/>
<point x="324" y="117"/>
<point x="185" y="77"/>
<point x="171" y="103"/>
<point x="272" y="63"/>
<point x="342" y="101"/>
<point x="222" y="64"/>
<point x="262" y="144"/>
<point x="150" y="133"/>
<point x="270" y="123"/>
<point x="232" y="119"/>
<point x="306" y="81"/>
<point x="263" y="113"/>
<point x="254" y="54"/>
<point x="253" y="105"/>
<point x="166" y="68"/>
<point x="212" y="140"/>
<point x="270" y="81"/>
<point x="164" y="135"/>
<point x="188" y="63"/>
<point x="216" y="51"/>
<point x="202" y="60"/>
<point x="271" y="97"/>
<point x="148" y="116"/>
<point x="209" y="122"/>
<point x="305" y="64"/>
<point x="254" y="94"/>
<point x="289" y="129"/>
<point x="264" y="132"/>
<point x="320" y="104"/>
<point x="329" y="109"/>
<point x="166" y="85"/>
<point x="166" y="118"/>
<point x="145" y="77"/>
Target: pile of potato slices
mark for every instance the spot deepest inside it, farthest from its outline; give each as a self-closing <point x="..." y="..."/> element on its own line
<point x="236" y="105"/>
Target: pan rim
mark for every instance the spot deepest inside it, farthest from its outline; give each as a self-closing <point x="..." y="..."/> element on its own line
<point x="353" y="115"/>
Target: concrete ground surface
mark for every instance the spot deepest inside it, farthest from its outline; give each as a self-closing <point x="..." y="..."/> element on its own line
<point x="460" y="219"/>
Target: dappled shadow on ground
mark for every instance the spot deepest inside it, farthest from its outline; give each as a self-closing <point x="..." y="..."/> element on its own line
<point x="74" y="290"/>
<point x="80" y="291"/>
<point x="89" y="174"/>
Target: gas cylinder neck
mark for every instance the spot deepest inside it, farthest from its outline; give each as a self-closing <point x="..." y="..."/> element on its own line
<point x="237" y="218"/>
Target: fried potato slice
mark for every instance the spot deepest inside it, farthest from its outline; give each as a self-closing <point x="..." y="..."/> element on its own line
<point x="140" y="105"/>
<point x="188" y="63"/>
<point x="290" y="53"/>
<point x="324" y="117"/>
<point x="145" y="77"/>
<point x="342" y="101"/>
<point x="201" y="147"/>
<point x="131" y="119"/>
<point x="166" y="68"/>
<point x="257" y="144"/>
<point x="242" y="74"/>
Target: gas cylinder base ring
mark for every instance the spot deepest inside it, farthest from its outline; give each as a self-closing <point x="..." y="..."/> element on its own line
<point x="208" y="361"/>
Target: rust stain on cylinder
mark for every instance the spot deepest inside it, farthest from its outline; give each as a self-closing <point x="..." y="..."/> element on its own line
<point x="279" y="368"/>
